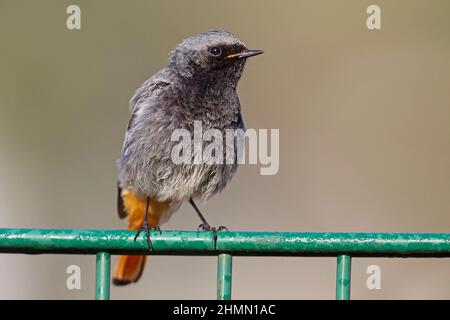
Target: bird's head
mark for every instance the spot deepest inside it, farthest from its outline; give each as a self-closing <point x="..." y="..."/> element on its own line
<point x="213" y="56"/>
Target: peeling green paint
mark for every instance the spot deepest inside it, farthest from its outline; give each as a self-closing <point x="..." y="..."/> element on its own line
<point x="235" y="243"/>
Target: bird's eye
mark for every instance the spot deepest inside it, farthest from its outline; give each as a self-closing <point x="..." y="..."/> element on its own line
<point x="215" y="51"/>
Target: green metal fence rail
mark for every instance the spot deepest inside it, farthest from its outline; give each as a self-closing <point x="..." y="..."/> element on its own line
<point x="343" y="246"/>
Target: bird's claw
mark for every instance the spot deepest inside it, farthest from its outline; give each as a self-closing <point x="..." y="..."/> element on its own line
<point x="157" y="228"/>
<point x="145" y="227"/>
<point x="214" y="230"/>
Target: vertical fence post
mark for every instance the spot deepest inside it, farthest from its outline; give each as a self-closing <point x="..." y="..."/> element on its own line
<point x="224" y="271"/>
<point x="102" y="279"/>
<point x="343" y="277"/>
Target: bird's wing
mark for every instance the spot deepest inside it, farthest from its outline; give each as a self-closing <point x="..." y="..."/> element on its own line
<point x="158" y="81"/>
<point x="143" y="95"/>
<point x="120" y="205"/>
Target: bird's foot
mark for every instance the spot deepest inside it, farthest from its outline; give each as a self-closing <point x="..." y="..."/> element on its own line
<point x="157" y="228"/>
<point x="145" y="227"/>
<point x="214" y="230"/>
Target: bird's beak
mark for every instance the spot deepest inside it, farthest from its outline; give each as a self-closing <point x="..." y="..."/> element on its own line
<point x="245" y="54"/>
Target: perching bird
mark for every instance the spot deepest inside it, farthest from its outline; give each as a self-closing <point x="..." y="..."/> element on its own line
<point x="198" y="84"/>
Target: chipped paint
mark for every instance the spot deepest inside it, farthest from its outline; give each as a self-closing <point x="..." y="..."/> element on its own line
<point x="236" y="243"/>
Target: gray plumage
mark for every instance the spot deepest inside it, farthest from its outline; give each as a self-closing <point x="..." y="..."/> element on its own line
<point x="195" y="85"/>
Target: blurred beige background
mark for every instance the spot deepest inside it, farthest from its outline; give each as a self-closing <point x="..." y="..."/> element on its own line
<point x="364" y="129"/>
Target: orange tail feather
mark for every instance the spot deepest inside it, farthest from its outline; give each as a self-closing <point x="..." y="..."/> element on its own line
<point x="129" y="268"/>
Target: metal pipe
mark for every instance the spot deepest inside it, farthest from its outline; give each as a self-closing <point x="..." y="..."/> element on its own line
<point x="103" y="275"/>
<point x="343" y="277"/>
<point x="235" y="243"/>
<point x="224" y="272"/>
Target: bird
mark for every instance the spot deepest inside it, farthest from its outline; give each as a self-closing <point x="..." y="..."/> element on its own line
<point x="198" y="84"/>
